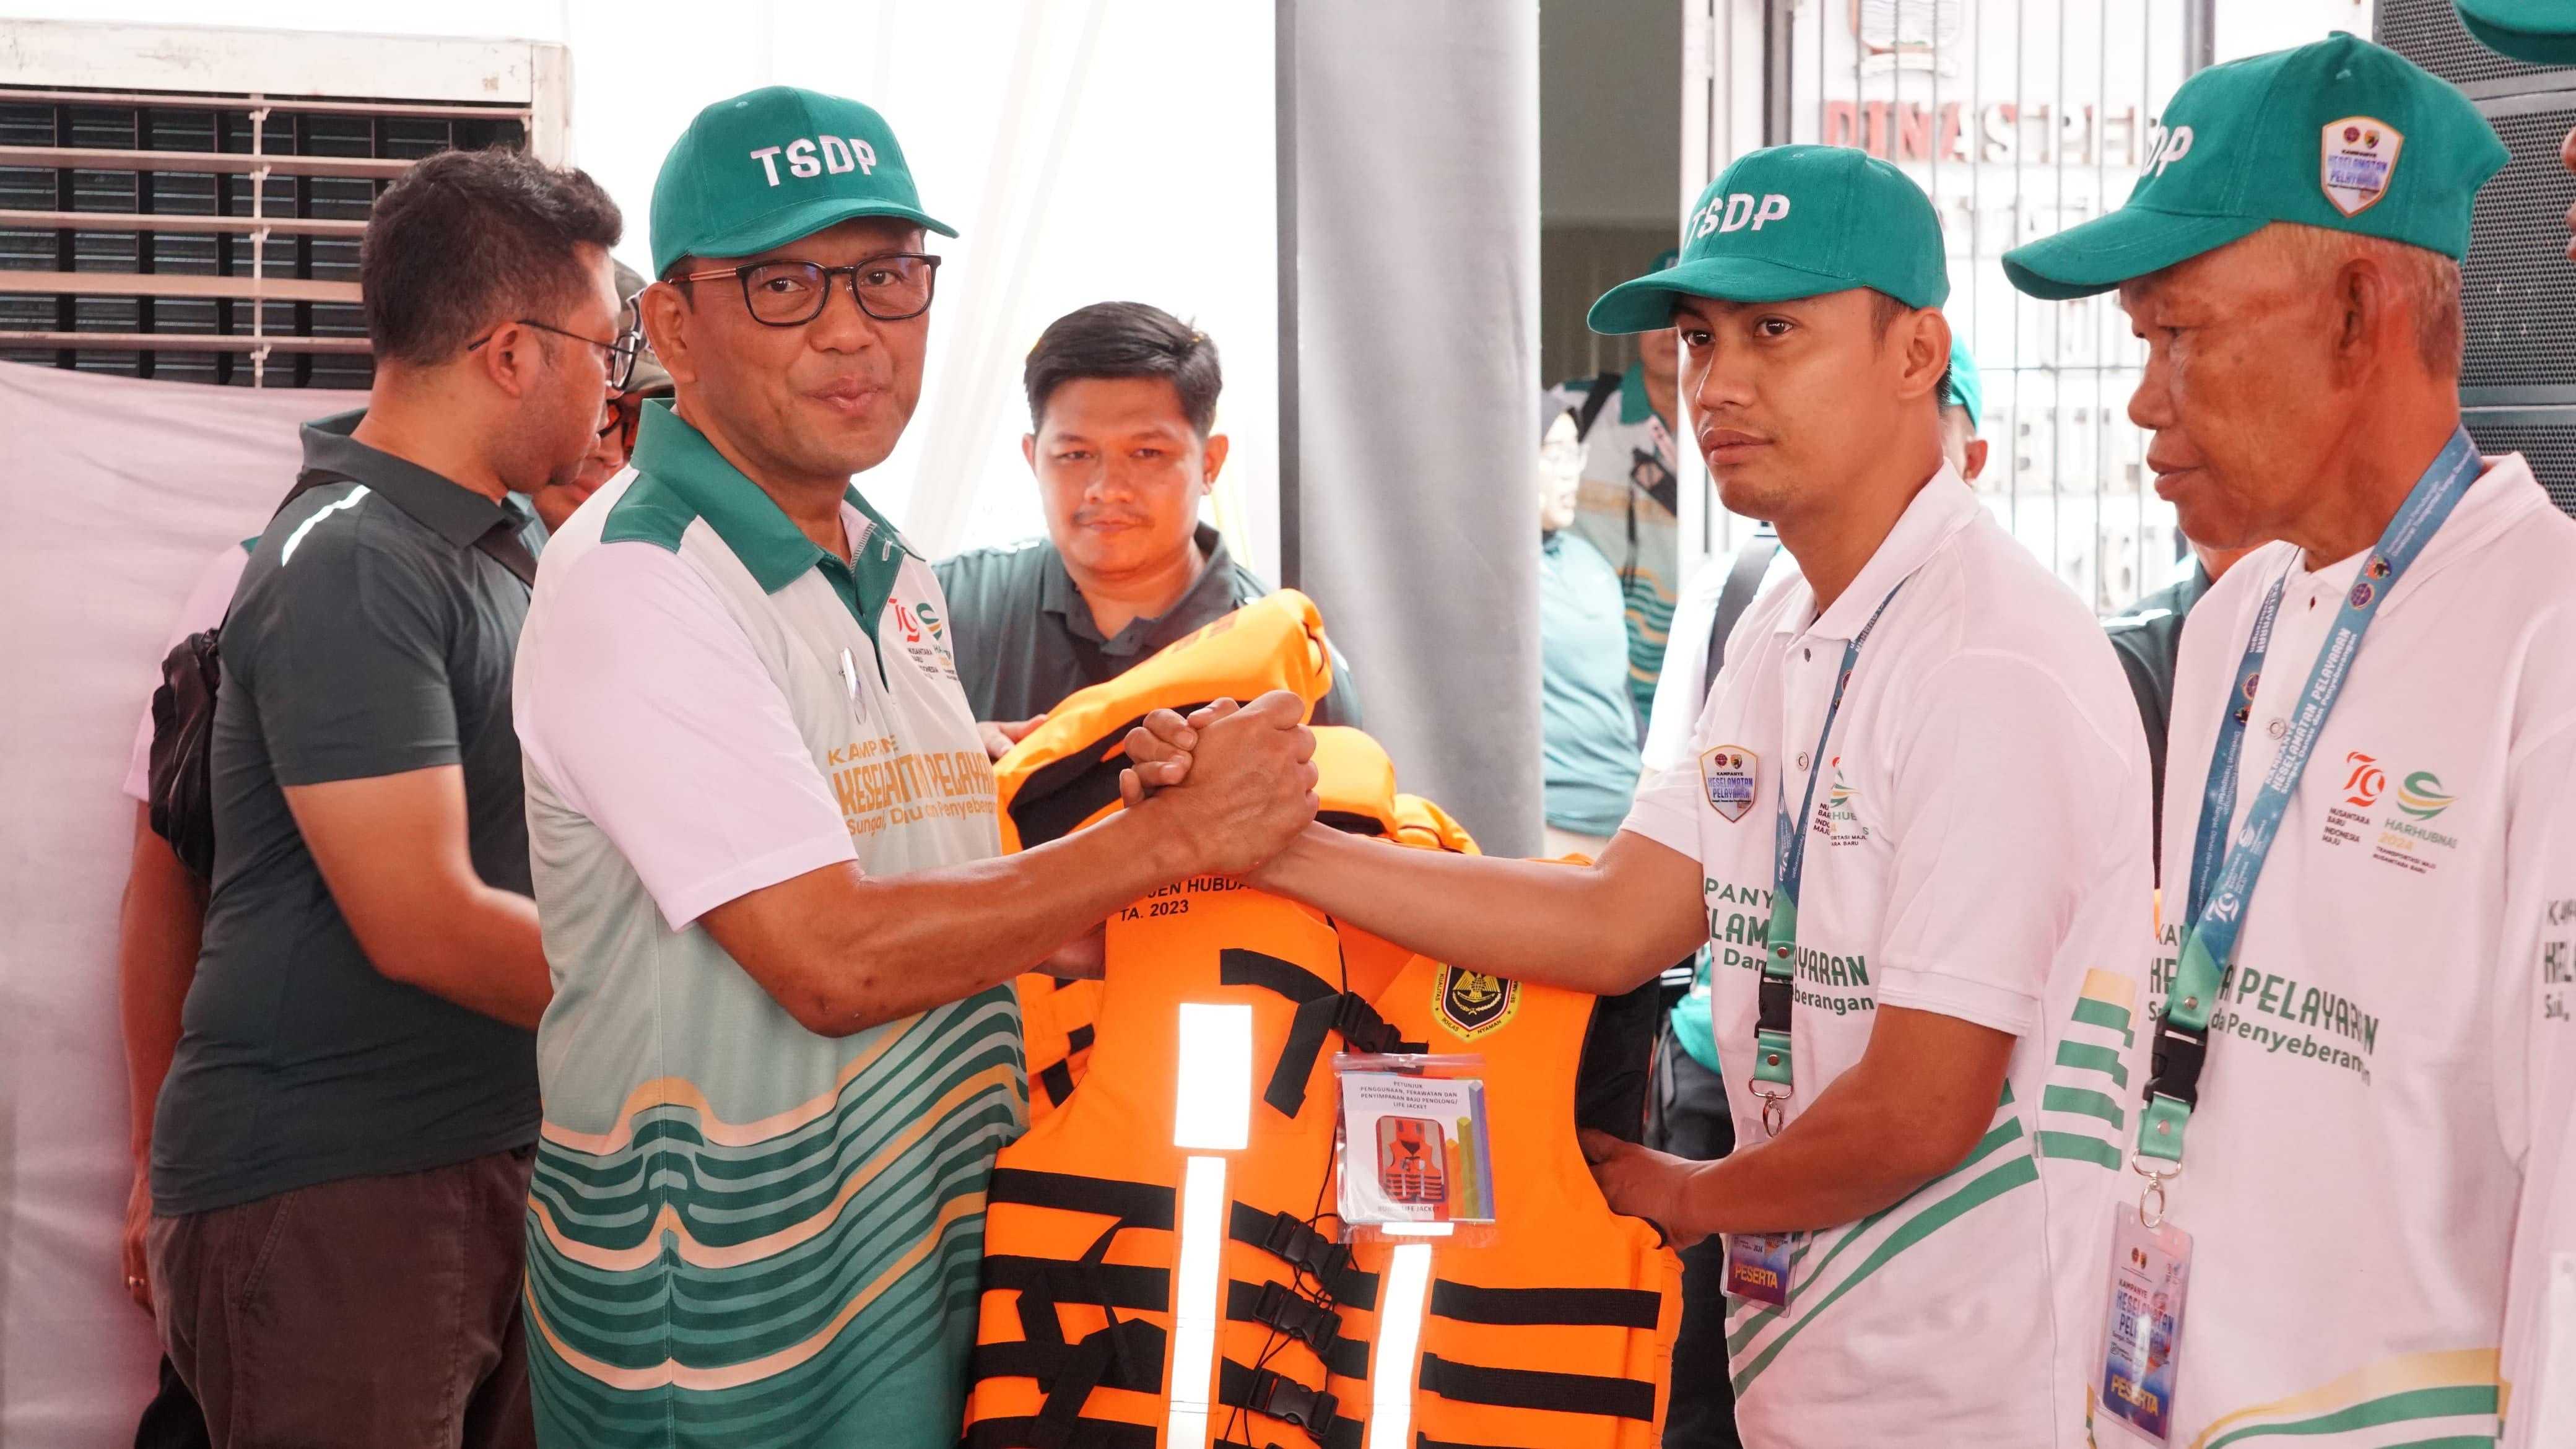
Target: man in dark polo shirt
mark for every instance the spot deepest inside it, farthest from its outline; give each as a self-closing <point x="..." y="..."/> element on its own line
<point x="1122" y="407"/>
<point x="340" y="1157"/>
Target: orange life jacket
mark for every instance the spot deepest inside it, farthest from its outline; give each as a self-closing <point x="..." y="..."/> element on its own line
<point x="1064" y="776"/>
<point x="1161" y="1270"/>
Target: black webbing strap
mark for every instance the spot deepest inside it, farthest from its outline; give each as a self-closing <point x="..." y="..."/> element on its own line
<point x="1546" y="1307"/>
<point x="1136" y="1204"/>
<point x="1085" y="1280"/>
<point x="1271" y="1393"/>
<point x="1291" y="1240"/>
<point x="1104" y="1285"/>
<point x="1313" y="1324"/>
<point x="1014" y="1433"/>
<point x="1321" y="1010"/>
<point x="1138" y="1369"/>
<point x="1536" y="1389"/>
<point x="1057" y="1076"/>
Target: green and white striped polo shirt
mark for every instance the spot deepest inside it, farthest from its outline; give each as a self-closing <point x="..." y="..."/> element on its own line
<point x="740" y="1232"/>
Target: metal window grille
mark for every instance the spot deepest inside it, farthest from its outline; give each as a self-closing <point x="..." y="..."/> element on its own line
<point x="186" y="202"/>
<point x="2020" y="118"/>
<point x="228" y="224"/>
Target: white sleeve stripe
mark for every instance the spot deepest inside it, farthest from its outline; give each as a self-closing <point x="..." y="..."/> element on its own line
<point x="286" y="555"/>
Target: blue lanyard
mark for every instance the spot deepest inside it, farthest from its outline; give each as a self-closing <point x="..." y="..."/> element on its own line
<point x="1777" y="990"/>
<point x="2224" y="868"/>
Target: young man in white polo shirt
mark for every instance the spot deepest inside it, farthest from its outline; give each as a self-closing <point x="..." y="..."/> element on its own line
<point x="2373" y="774"/>
<point x="781" y="1052"/>
<point x="1930" y="730"/>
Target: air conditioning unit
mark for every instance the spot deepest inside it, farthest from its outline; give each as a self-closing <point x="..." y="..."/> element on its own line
<point x="185" y="203"/>
<point x="2518" y="383"/>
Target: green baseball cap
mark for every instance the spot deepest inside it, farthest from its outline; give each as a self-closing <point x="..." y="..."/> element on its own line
<point x="2540" y="31"/>
<point x="1794" y="221"/>
<point x="773" y="165"/>
<point x="2341" y="134"/>
<point x="1967" y="385"/>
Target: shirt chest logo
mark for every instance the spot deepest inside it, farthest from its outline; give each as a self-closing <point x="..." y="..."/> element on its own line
<point x="2396" y="825"/>
<point x="924" y="635"/>
<point x="1726" y="774"/>
<point x="1837" y="814"/>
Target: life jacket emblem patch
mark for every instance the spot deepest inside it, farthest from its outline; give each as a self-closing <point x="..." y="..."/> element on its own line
<point x="1471" y="1003"/>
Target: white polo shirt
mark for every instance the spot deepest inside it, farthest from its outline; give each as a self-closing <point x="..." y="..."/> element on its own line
<point x="1978" y="849"/>
<point x="2371" y="1096"/>
<point x="730" y="1212"/>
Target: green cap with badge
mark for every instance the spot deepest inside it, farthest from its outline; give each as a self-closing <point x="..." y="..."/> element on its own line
<point x="1794" y="221"/>
<point x="2542" y="32"/>
<point x="774" y="165"/>
<point x="2341" y="134"/>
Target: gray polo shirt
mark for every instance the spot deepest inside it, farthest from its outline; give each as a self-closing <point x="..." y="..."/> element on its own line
<point x="368" y="637"/>
<point x="1025" y="638"/>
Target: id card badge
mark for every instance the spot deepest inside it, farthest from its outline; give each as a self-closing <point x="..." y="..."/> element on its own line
<point x="1757" y="1267"/>
<point x="2142" y="1344"/>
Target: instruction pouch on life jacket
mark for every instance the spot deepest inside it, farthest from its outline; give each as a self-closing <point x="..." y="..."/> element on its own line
<point x="1414" y="1156"/>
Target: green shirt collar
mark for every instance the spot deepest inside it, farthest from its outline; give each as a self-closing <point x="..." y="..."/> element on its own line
<point x="1634" y="406"/>
<point x="751" y="524"/>
<point x="448" y="508"/>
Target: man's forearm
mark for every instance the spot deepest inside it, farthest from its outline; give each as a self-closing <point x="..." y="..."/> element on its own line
<point x="1590" y="929"/>
<point x="917" y="941"/>
<point x="486" y="955"/>
<point x="1918" y="1102"/>
<point x="156" y="958"/>
<point x="1832" y="1166"/>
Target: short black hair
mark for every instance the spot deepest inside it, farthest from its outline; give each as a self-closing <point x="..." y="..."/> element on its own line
<point x="1126" y="339"/>
<point x="465" y="240"/>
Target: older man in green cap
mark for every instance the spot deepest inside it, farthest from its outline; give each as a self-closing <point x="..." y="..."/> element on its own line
<point x="2371" y="837"/>
<point x="781" y="1053"/>
<point x="1913" y="826"/>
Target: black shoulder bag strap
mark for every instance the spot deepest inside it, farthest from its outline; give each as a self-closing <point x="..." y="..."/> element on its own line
<point x="1604" y="388"/>
<point x="181" y="781"/>
<point x="1743" y="581"/>
<point x="503" y="544"/>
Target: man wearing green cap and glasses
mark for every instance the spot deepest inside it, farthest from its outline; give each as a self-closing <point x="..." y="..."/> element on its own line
<point x="1913" y="830"/>
<point x="2370" y="835"/>
<point x="780" y="1054"/>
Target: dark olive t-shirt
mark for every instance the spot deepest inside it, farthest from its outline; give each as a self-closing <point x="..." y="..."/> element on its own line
<point x="368" y="636"/>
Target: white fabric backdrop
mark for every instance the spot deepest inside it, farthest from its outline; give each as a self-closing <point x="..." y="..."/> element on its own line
<point x="116" y="492"/>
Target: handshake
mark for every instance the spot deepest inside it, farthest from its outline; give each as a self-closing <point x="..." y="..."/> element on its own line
<point x="1232" y="784"/>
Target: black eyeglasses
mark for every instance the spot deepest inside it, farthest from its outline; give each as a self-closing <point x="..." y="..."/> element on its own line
<point x="890" y="288"/>
<point x="622" y="352"/>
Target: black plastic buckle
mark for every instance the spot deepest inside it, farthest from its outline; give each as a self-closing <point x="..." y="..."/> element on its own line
<point x="1292" y="1242"/>
<point x="2174" y="1063"/>
<point x="1367" y="1032"/>
<point x="1285" y="1399"/>
<point x="1298" y="1317"/>
<point x="1772" y="998"/>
